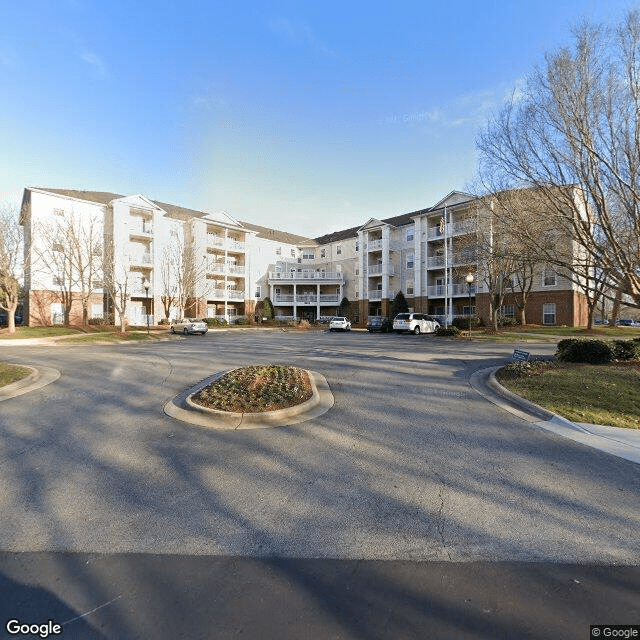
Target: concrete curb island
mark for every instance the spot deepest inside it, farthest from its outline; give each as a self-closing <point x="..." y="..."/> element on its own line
<point x="183" y="408"/>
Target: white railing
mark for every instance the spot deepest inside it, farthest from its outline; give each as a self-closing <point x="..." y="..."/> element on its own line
<point x="438" y="291"/>
<point x="221" y="267"/>
<point x="214" y="241"/>
<point x="374" y="245"/>
<point x="454" y="261"/>
<point x="452" y="229"/>
<point x="225" y="294"/>
<point x="141" y="229"/>
<point x="303" y="298"/>
<point x="375" y="294"/>
<point x="140" y="258"/>
<point x="305" y="275"/>
<point x="377" y="270"/>
<point x="235" y="245"/>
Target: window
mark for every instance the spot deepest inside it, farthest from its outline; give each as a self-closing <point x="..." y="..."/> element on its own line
<point x="58" y="281"/>
<point x="339" y="249"/>
<point x="409" y="235"/>
<point x="548" y="278"/>
<point x="507" y="311"/>
<point x="357" y="271"/>
<point x="96" y="311"/>
<point x="293" y="253"/>
<point x="410" y="259"/>
<point x="58" y="212"/>
<point x="549" y="313"/>
<point x="465" y="310"/>
<point x="357" y="245"/>
<point x="258" y="292"/>
<point x="57" y="246"/>
<point x="323" y="253"/>
<point x="279" y="251"/>
<point x="308" y="255"/>
<point x="409" y="288"/>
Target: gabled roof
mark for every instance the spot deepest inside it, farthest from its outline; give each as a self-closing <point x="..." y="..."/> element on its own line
<point x="279" y="236"/>
<point x="453" y="198"/>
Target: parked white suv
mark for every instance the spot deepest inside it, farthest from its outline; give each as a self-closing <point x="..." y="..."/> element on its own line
<point x="339" y="323"/>
<point x="415" y="323"/>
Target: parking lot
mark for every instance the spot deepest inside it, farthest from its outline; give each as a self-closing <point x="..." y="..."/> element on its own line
<point x="410" y="465"/>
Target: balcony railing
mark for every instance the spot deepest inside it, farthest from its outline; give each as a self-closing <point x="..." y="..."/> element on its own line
<point x="230" y="244"/>
<point x="305" y="275"/>
<point x="454" y="261"/>
<point x="452" y="229"/>
<point x="377" y="270"/>
<point x="225" y="294"/>
<point x="145" y="229"/>
<point x="303" y="299"/>
<point x="221" y="267"/>
<point x="140" y="258"/>
<point x="438" y="291"/>
<point x="375" y="294"/>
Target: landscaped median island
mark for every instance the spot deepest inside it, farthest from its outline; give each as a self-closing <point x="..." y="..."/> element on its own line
<point x="256" y="388"/>
<point x="10" y="373"/>
<point x="591" y="381"/>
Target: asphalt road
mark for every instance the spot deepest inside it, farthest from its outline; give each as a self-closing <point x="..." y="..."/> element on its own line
<point x="413" y="508"/>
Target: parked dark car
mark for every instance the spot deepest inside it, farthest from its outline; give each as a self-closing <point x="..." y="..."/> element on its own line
<point x="380" y="324"/>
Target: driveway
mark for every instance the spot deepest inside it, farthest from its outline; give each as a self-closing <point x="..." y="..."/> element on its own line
<point x="411" y="470"/>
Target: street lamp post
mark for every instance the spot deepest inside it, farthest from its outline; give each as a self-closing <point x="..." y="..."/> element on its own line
<point x="146" y="284"/>
<point x="469" y="280"/>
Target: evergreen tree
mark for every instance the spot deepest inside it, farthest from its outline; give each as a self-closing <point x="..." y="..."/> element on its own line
<point x="399" y="305"/>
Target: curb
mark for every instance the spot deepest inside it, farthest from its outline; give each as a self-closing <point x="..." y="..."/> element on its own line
<point x="37" y="379"/>
<point x="184" y="409"/>
<point x="485" y="383"/>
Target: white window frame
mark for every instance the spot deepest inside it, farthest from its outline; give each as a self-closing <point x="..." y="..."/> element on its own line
<point x="411" y="261"/>
<point x="548" y="311"/>
<point x="258" y="291"/>
<point x="410" y="288"/>
<point x="549" y="278"/>
<point x="410" y="235"/>
<point x="338" y="249"/>
<point x="508" y="311"/>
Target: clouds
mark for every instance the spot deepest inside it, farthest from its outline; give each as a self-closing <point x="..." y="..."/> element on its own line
<point x="299" y="32"/>
<point x="93" y="60"/>
<point x="470" y="109"/>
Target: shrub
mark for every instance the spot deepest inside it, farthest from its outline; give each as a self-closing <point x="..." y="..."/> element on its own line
<point x="94" y="321"/>
<point x="463" y="323"/>
<point x="588" y="351"/>
<point x="448" y="331"/>
<point x="163" y="321"/>
<point x="242" y="322"/>
<point x="626" y="349"/>
<point x="507" y="321"/>
<point x="215" y="322"/>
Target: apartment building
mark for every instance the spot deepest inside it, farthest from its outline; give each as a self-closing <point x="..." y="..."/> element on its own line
<point x="428" y="254"/>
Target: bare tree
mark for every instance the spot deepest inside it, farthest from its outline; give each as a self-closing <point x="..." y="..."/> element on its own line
<point x="70" y="248"/>
<point x="573" y="133"/>
<point x="183" y="275"/>
<point x="11" y="247"/>
<point x="116" y="283"/>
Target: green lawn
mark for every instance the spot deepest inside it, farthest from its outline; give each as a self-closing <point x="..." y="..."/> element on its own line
<point x="112" y="337"/>
<point x="36" y="332"/>
<point x="597" y="394"/>
<point x="11" y="373"/>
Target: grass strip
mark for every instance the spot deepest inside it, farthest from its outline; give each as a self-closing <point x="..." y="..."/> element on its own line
<point x="596" y="394"/>
<point x="12" y="373"/>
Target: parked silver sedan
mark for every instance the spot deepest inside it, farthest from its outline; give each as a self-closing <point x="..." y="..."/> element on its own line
<point x="189" y="325"/>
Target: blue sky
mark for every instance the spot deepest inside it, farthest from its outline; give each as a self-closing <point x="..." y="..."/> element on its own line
<point x="308" y="117"/>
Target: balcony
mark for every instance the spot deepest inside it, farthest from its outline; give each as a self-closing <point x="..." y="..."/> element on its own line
<point x="226" y="294"/>
<point x="456" y="260"/>
<point x="144" y="259"/>
<point x="231" y="244"/>
<point x="224" y="268"/>
<point x="306" y="298"/>
<point x="374" y="245"/>
<point x="141" y="228"/>
<point x="377" y="270"/>
<point x="438" y="291"/>
<point x="306" y="276"/>
<point x="452" y="229"/>
<point x="375" y="294"/>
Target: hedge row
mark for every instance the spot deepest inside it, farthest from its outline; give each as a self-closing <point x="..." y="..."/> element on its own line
<point x="593" y="351"/>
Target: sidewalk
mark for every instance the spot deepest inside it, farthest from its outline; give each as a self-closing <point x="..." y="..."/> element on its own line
<point x="623" y="443"/>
